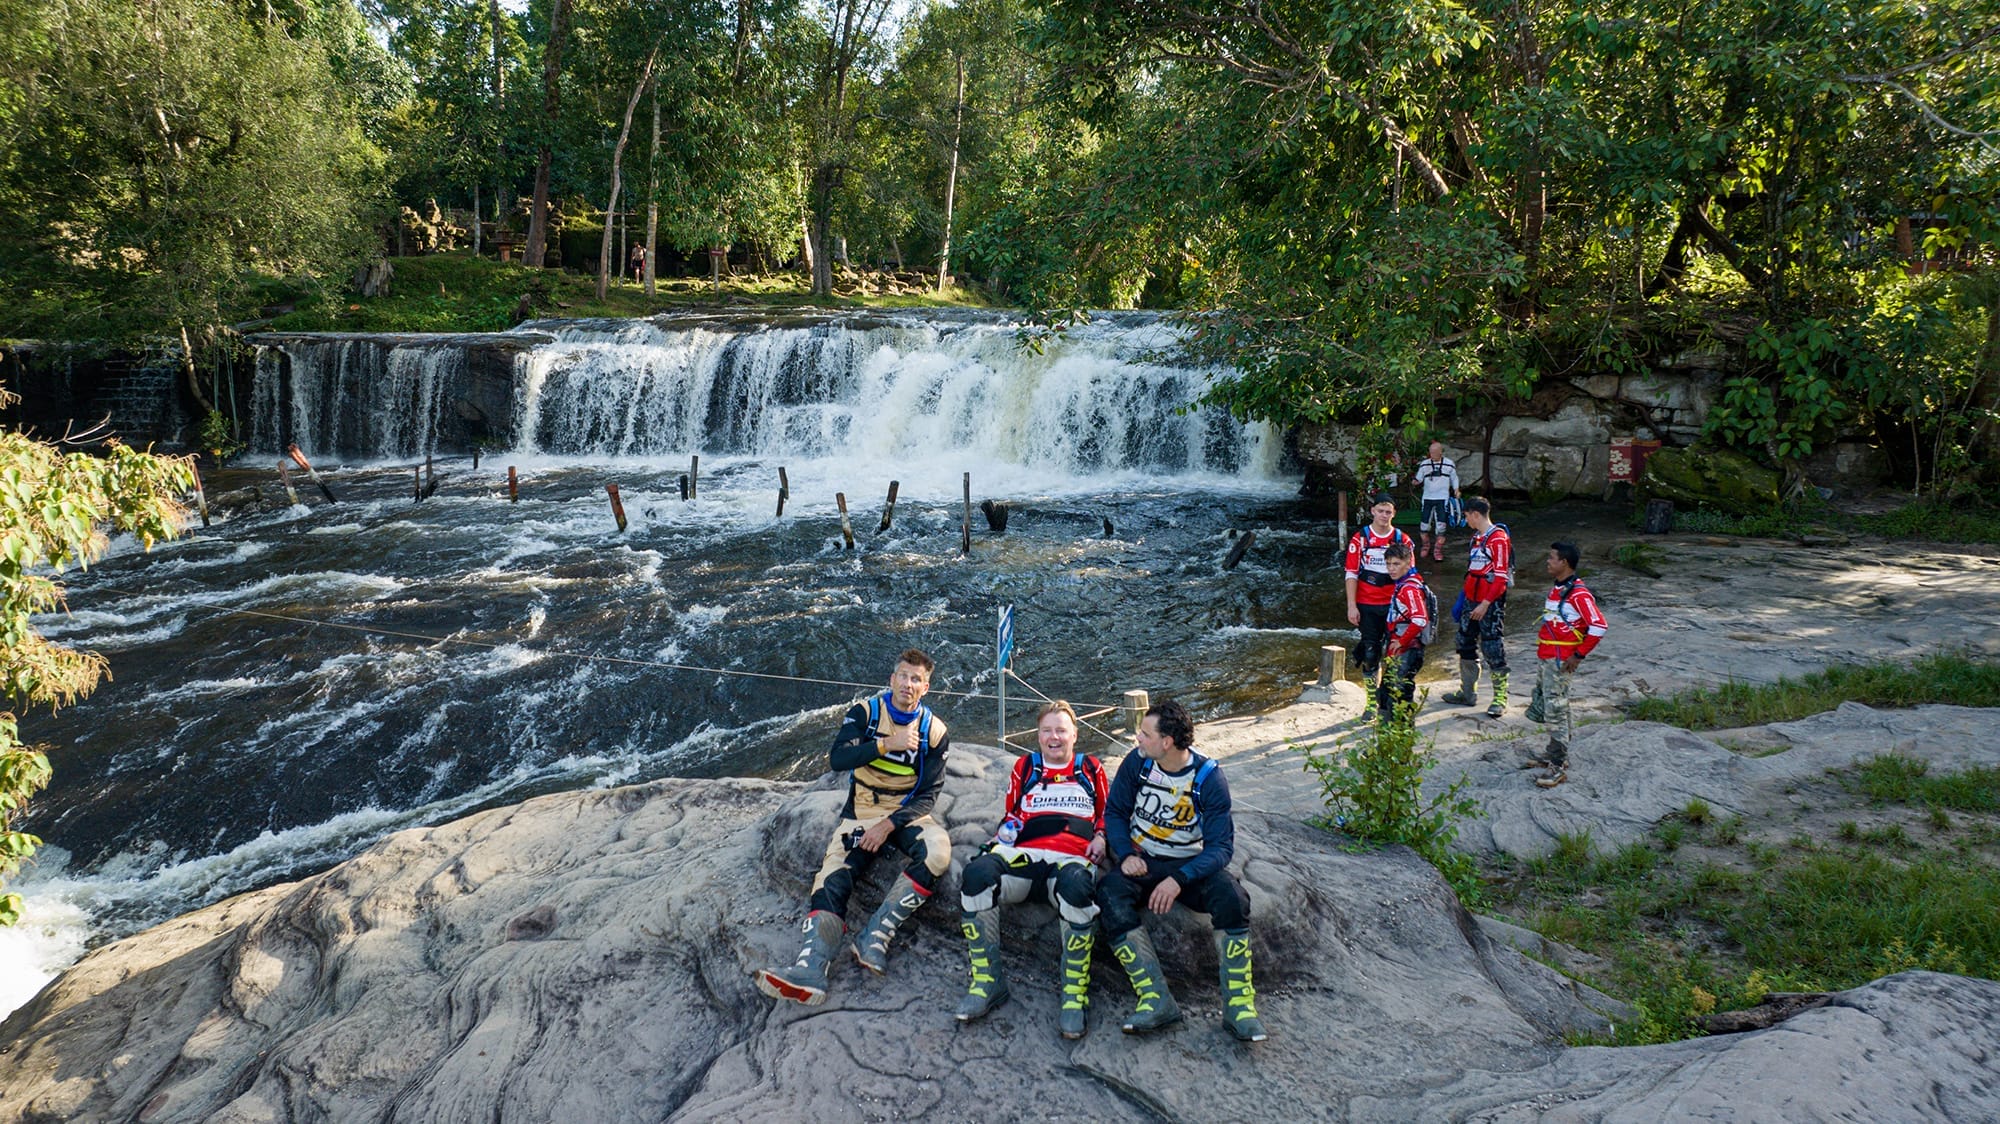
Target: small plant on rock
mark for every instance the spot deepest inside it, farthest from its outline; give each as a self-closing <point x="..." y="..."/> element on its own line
<point x="1373" y="792"/>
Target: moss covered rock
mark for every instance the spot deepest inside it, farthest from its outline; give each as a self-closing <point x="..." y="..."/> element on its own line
<point x="1716" y="478"/>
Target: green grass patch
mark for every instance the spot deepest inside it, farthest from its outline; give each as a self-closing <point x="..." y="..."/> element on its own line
<point x="1921" y="520"/>
<point x="1938" y="678"/>
<point x="1895" y="779"/>
<point x="458" y="293"/>
<point x="1683" y="937"/>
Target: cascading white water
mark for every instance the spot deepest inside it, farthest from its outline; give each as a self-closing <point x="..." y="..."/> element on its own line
<point x="1103" y="398"/>
<point x="364" y="396"/>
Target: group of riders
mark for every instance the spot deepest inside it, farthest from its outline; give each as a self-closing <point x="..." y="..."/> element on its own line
<point x="1163" y="825"/>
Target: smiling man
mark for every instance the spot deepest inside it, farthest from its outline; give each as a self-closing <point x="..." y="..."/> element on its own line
<point x="896" y="748"/>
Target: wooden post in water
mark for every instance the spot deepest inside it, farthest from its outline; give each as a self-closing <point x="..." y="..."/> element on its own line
<point x="694" y="476"/>
<point x="416" y="484"/>
<point x="889" y="509"/>
<point x="1108" y="531"/>
<point x="300" y="459"/>
<point x="996" y="516"/>
<point x="846" y="528"/>
<point x="285" y="475"/>
<point x="1136" y="703"/>
<point x="430" y="476"/>
<point x="784" y="490"/>
<point x="684" y="487"/>
<point x="1237" y="552"/>
<point x="1342" y="548"/>
<point x="1332" y="664"/>
<point x="617" y="506"/>
<point x="965" y="525"/>
<point x="200" y="497"/>
<point x="475" y="458"/>
<point x="513" y="486"/>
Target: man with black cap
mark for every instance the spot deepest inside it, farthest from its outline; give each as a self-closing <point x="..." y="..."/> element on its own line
<point x="1370" y="587"/>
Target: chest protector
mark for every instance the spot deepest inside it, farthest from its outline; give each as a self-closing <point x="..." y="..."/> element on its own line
<point x="901" y="763"/>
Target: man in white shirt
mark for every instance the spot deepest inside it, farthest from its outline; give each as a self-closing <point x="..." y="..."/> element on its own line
<point x="1438" y="477"/>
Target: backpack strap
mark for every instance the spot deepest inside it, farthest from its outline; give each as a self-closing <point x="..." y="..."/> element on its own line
<point x="1200" y="775"/>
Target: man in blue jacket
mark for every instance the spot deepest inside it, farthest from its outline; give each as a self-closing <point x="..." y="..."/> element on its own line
<point x="1171" y="834"/>
<point x="896" y="748"/>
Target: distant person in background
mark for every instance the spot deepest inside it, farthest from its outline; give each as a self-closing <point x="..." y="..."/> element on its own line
<point x="638" y="261"/>
<point x="1437" y="476"/>
<point x="1169" y="826"/>
<point x="1409" y="618"/>
<point x="1482" y="612"/>
<point x="1572" y="625"/>
<point x="1050" y="841"/>
<point x="1370" y="588"/>
<point x="896" y="748"/>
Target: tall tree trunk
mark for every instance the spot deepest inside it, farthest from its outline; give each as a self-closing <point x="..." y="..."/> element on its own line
<point x="951" y="177"/>
<point x="475" y="220"/>
<point x="653" y="195"/>
<point x="604" y="263"/>
<point x="806" y="247"/>
<point x="538" y="215"/>
<point x="499" y="33"/>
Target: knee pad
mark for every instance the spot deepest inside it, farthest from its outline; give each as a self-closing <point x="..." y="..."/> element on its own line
<point x="979" y="885"/>
<point x="1075" y="894"/>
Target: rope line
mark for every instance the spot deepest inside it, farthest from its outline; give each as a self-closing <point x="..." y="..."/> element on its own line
<point x="439" y="641"/>
<point x="1080" y="720"/>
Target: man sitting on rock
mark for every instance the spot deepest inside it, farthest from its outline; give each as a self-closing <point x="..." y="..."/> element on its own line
<point x="896" y="748"/>
<point x="1050" y="840"/>
<point x="1169" y="827"/>
<point x="1572" y="624"/>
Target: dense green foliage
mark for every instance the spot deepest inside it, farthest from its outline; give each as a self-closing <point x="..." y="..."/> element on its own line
<point x="1372" y="212"/>
<point x="52" y="506"/>
<point x="1932" y="678"/>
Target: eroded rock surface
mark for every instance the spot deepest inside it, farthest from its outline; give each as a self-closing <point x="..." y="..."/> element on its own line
<point x="587" y="956"/>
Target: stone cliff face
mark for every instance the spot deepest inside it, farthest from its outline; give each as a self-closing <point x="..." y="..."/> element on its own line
<point x="587" y="956"/>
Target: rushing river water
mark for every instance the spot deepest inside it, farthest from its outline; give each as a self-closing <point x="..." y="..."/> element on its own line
<point x="469" y="651"/>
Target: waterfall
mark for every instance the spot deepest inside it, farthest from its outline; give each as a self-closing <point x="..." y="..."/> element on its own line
<point x="1104" y="397"/>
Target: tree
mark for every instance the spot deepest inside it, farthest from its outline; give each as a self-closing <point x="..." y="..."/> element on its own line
<point x="52" y="508"/>
<point x="159" y="154"/>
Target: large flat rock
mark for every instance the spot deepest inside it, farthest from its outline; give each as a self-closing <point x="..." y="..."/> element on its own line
<point x="587" y="956"/>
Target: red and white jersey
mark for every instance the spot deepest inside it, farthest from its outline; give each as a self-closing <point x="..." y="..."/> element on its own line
<point x="1571" y="622"/>
<point x="1057" y="792"/>
<point x="1408" y="615"/>
<point x="1489" y="570"/>
<point x="1366" y="565"/>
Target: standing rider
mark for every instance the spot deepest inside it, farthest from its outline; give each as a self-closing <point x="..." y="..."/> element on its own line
<point x="1169" y="825"/>
<point x="1489" y="574"/>
<point x="1572" y="625"/>
<point x="1437" y="475"/>
<point x="1050" y="841"/>
<point x="1370" y="588"/>
<point x="1409" y="618"/>
<point x="896" y="747"/>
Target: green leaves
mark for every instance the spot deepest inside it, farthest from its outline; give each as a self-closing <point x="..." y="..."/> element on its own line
<point x="51" y="506"/>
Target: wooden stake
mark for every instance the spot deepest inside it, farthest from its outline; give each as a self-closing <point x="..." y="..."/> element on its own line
<point x="1136" y="703"/>
<point x="416" y="484"/>
<point x="513" y="486"/>
<point x="784" y="490"/>
<point x="888" y="511"/>
<point x="1332" y="664"/>
<point x="846" y="528"/>
<point x="996" y="516"/>
<point x="617" y="506"/>
<point x="965" y="525"/>
<point x="300" y="459"/>
<point x="1108" y="530"/>
<point x="285" y="475"/>
<point x="475" y="458"/>
<point x="200" y="496"/>
<point x="684" y="487"/>
<point x="1236" y="552"/>
<point x="694" y="476"/>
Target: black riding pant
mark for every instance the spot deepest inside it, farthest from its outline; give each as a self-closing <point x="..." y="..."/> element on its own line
<point x="1483" y="636"/>
<point x="1121" y="898"/>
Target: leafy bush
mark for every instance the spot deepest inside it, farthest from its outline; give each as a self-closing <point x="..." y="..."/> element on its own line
<point x="1374" y="794"/>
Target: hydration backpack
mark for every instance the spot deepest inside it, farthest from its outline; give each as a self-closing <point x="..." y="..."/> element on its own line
<point x="1428" y="634"/>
